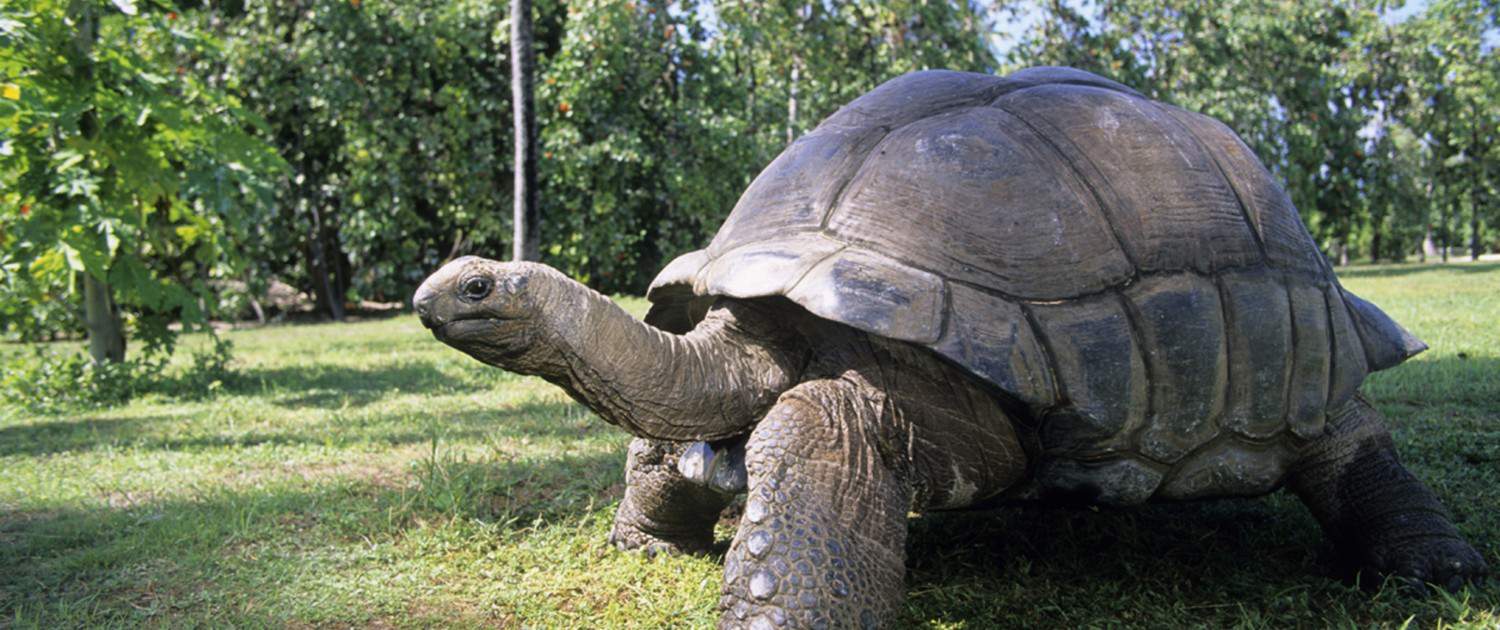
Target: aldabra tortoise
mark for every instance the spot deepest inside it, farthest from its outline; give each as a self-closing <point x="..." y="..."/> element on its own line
<point x="961" y="289"/>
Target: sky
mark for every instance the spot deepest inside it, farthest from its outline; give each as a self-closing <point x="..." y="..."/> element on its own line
<point x="1011" y="27"/>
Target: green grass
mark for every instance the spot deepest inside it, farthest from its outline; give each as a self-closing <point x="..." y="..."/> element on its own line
<point x="364" y="474"/>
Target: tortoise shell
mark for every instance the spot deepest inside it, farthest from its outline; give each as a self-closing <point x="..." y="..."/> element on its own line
<point x="1124" y="269"/>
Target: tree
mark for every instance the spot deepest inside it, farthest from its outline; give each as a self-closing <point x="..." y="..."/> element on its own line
<point x="131" y="175"/>
<point x="394" y="114"/>
<point x="522" y="67"/>
<point x="1457" y="82"/>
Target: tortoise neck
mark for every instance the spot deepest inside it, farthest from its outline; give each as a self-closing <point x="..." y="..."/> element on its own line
<point x="713" y="382"/>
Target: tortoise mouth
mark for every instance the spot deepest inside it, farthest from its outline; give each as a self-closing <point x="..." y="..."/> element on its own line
<point x="460" y="329"/>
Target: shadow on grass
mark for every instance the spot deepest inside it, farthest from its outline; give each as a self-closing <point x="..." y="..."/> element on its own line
<point x="48" y="436"/>
<point x="269" y="553"/>
<point x="1251" y="563"/>
<point x="1199" y="554"/>
<point x="1393" y="271"/>
<point x="329" y="387"/>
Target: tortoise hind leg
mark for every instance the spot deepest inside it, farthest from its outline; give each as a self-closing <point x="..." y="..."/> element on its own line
<point x="822" y="540"/>
<point x="1379" y="516"/>
<point x="663" y="511"/>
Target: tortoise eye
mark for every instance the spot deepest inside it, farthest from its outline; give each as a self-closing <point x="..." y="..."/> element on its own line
<point x="476" y="288"/>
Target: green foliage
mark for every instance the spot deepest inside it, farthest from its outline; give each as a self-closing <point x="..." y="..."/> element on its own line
<point x="638" y="164"/>
<point x="117" y="163"/>
<point x="394" y="116"/>
<point x="185" y="153"/>
<point x="50" y="379"/>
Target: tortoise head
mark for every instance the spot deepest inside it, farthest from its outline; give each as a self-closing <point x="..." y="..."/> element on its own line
<point x="485" y="308"/>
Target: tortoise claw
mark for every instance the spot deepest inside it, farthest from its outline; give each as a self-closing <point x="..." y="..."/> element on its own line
<point x="628" y="538"/>
<point x="721" y="469"/>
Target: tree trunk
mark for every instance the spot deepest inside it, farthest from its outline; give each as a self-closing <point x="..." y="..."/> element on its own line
<point x="106" y="333"/>
<point x="791" y="100"/>
<point x="1443" y="225"/>
<point x="329" y="299"/>
<point x="804" y="15"/>
<point x="750" y="117"/>
<point x="1475" y="240"/>
<point x="527" y="235"/>
<point x="1428" y="247"/>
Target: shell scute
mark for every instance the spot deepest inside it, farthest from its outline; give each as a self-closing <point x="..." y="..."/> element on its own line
<point x="1121" y="481"/>
<point x="765" y="268"/>
<point x="1285" y="240"/>
<point x="1102" y="372"/>
<point x="1259" y="334"/>
<point x="869" y="292"/>
<point x="1231" y="469"/>
<point x="1180" y="323"/>
<point x="1030" y="228"/>
<point x="793" y="193"/>
<point x="1162" y="191"/>
<point x="993" y="336"/>
<point x="1348" y="366"/>
<point x="1310" y="360"/>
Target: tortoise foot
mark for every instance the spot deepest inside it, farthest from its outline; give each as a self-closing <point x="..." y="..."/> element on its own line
<point x="632" y="537"/>
<point x="663" y="512"/>
<point x="1441" y="558"/>
<point x="1382" y="520"/>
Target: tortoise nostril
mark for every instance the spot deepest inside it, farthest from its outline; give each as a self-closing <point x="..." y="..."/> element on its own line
<point x="422" y="304"/>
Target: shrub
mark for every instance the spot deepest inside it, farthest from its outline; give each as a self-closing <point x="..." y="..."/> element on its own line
<point x="49" y="380"/>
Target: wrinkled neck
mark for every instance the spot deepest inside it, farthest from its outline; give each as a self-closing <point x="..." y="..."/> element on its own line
<point x="713" y="382"/>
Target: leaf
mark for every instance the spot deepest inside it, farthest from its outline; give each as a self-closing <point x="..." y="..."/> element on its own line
<point x="75" y="259"/>
<point x="67" y="159"/>
<point x="188" y="233"/>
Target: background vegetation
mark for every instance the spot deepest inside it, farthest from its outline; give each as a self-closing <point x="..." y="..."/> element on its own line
<point x="187" y="153"/>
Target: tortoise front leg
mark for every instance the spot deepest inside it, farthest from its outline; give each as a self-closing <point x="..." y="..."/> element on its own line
<point x="662" y="511"/>
<point x="822" y="539"/>
<point x="1379" y="516"/>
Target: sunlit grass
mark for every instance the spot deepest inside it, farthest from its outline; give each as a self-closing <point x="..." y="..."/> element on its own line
<point x="363" y="474"/>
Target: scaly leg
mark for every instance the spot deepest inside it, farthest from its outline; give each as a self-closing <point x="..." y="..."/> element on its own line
<point x="662" y="511"/>
<point x="1379" y="516"/>
<point x="822" y="540"/>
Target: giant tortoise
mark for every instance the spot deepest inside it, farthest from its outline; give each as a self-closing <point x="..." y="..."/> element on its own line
<point x="962" y="289"/>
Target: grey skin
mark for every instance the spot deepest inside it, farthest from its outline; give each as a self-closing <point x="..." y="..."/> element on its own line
<point x="961" y="290"/>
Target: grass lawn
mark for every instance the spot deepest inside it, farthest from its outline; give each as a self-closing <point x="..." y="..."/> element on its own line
<point x="364" y="474"/>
